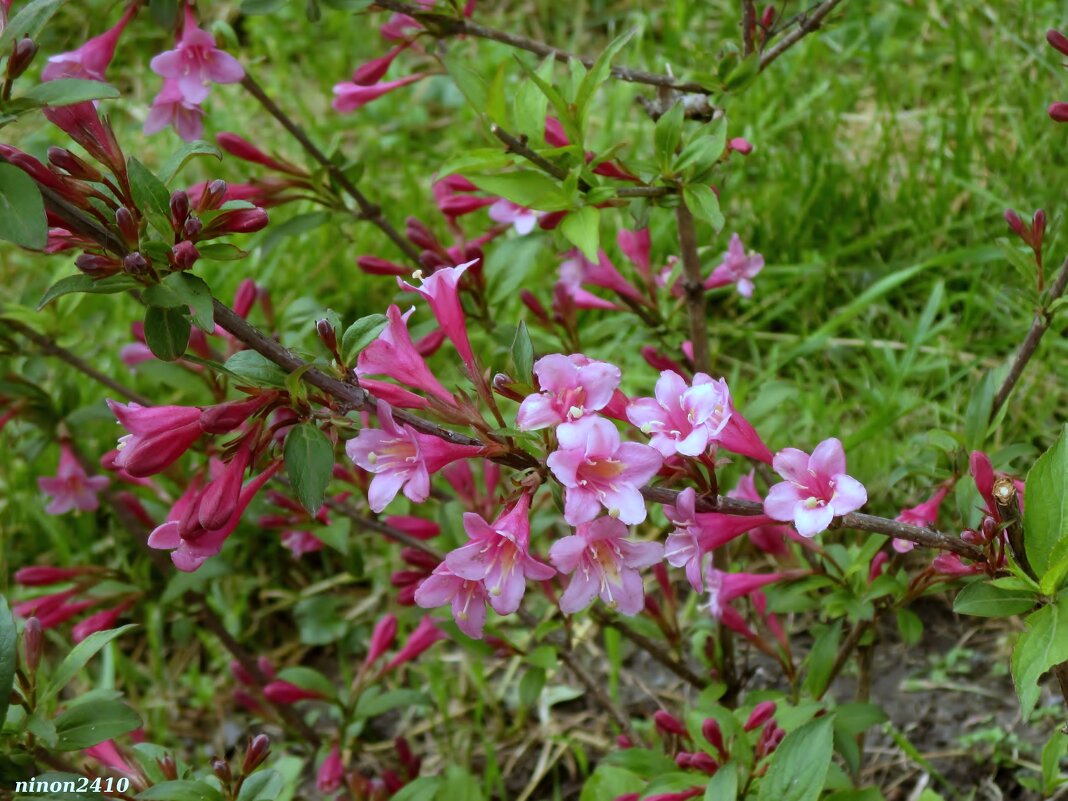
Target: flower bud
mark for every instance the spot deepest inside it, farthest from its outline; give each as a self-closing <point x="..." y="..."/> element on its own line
<point x="96" y="265"/>
<point x="236" y="221"/>
<point x="989" y="528"/>
<point x="504" y="385"/>
<point x="127" y="226"/>
<point x="1058" y="41"/>
<point x="532" y="303"/>
<point x="1038" y="228"/>
<point x="1058" y="112"/>
<point x="331" y="772"/>
<point x="740" y="145"/>
<point x="32" y="644"/>
<point x="213" y="196"/>
<point x="714" y="735"/>
<point x="684" y="759"/>
<point x="327" y="335"/>
<point x="221" y="769"/>
<point x="704" y="763"/>
<point x="243" y="149"/>
<point x="761" y="714"/>
<point x="184" y="255"/>
<point x="420" y="235"/>
<point x="21" y="57"/>
<point x="245" y="297"/>
<point x="258" y="749"/>
<point x="179" y="208"/>
<point x="768" y="17"/>
<point x="372" y="265"/>
<point x="415" y="526"/>
<point x="45" y="575"/>
<point x="225" y="417"/>
<point x="192" y="227"/>
<point x="135" y="264"/>
<point x="666" y="723"/>
<point x="283" y="692"/>
<point x="167" y="767"/>
<point x="385" y="632"/>
<point x="972" y="537"/>
<point x="75" y="167"/>
<point x="1017" y="225"/>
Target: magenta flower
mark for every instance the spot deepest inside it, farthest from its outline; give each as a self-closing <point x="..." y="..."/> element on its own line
<point x="498" y="555"/>
<point x="441" y="289"/>
<point x="158" y="436"/>
<point x="299" y="543"/>
<point x="171" y="108"/>
<point x="91" y="60"/>
<point x="816" y="489"/>
<point x="571" y="387"/>
<point x="196" y="62"/>
<point x="602" y="561"/>
<point x="576" y="270"/>
<point x="331" y="773"/>
<point x="394" y="355"/>
<point x="401" y="459"/>
<point x="99" y="621"/>
<point x="467" y="597"/>
<point x="726" y="587"/>
<point x="683" y="419"/>
<point x="922" y="515"/>
<point x="636" y="246"/>
<point x="598" y="470"/>
<point x="424" y="635"/>
<point x="71" y="487"/>
<point x="519" y="217"/>
<point x="107" y="754"/>
<point x="350" y="96"/>
<point x="736" y="268"/>
<point x="768" y="538"/>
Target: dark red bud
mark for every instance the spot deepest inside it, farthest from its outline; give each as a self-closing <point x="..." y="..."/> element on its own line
<point x="666" y="723"/>
<point x="192" y="228"/>
<point x="972" y="537"/>
<point x="712" y="732"/>
<point x="503" y="386"/>
<point x="532" y="303"/>
<point x="221" y="769"/>
<point x="989" y="528"/>
<point x="96" y="265"/>
<point x="127" y="226"/>
<point x="245" y="297"/>
<point x="1058" y="112"/>
<point x="432" y="260"/>
<point x="420" y="235"/>
<point x="72" y="165"/>
<point x="21" y="57"/>
<point x="184" y="255"/>
<point x="1016" y="224"/>
<point x="179" y="208"/>
<point x="1058" y="41"/>
<point x="761" y="714"/>
<point x="213" y="196"/>
<point x="684" y="759"/>
<point x="236" y="221"/>
<point x="327" y="334"/>
<point x="258" y="749"/>
<point x="225" y="417"/>
<point x="32" y="644"/>
<point x="704" y="763"/>
<point x="1038" y="227"/>
<point x="135" y="264"/>
<point x="372" y="265"/>
<point x="768" y="17"/>
<point x="167" y="767"/>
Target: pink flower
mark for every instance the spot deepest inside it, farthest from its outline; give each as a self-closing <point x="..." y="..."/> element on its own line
<point x="99" y="621"/>
<point x="683" y="419"/>
<point x="636" y="246"/>
<point x="373" y="71"/>
<point x="922" y="515"/>
<point x="736" y="268"/>
<point x="171" y="108"/>
<point x="91" y="60"/>
<point x="351" y="96"/>
<point x="768" y="538"/>
<point x="158" y="437"/>
<point x="425" y="635"/>
<point x="602" y="561"/>
<point x="576" y="270"/>
<point x="284" y="692"/>
<point x="196" y="61"/>
<point x="816" y="489"/>
<point x="441" y="289"/>
<point x="301" y="542"/>
<point x="571" y="387"/>
<point x="467" y="597"/>
<point x="45" y="575"/>
<point x="498" y="555"/>
<point x="107" y="754"/>
<point x="725" y="587"/>
<point x="71" y="487"/>
<point x="385" y="632"/>
<point x="598" y="470"/>
<point x="393" y="354"/>
<point x="331" y="773"/>
<point x="401" y="459"/>
<point x="950" y="564"/>
<point x="519" y="217"/>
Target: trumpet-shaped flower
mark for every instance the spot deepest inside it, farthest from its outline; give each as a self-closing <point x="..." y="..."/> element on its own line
<point x="598" y="470"/>
<point x="468" y="598"/>
<point x="736" y="268"/>
<point x="158" y="436"/>
<point x="71" y="487"/>
<point x="350" y="96"/>
<point x="196" y="61"/>
<point x="441" y="289"/>
<point x="394" y="354"/>
<point x="816" y="489"/>
<point x="571" y="387"/>
<point x="603" y="562"/>
<point x="171" y="108"/>
<point x="91" y="60"/>
<point x="683" y="419"/>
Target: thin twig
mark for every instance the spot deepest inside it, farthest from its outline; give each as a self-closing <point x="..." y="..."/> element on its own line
<point x="651" y="647"/>
<point x="693" y="288"/>
<point x="806" y="24"/>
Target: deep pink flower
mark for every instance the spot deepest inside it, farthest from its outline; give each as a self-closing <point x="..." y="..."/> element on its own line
<point x="401" y="459"/>
<point x="768" y="538"/>
<point x="158" y="436"/>
<point x="598" y="470"/>
<point x="576" y="270"/>
<point x="739" y="436"/>
<point x="761" y="714"/>
<point x="425" y="635"/>
<point x="393" y="354"/>
<point x="331" y="773"/>
<point x="519" y="217"/>
<point x="417" y="527"/>
<point x="107" y="754"/>
<point x="923" y="515"/>
<point x="71" y="487"/>
<point x="45" y="575"/>
<point x="91" y="60"/>
<point x="217" y="502"/>
<point x="441" y="290"/>
<point x="683" y="419"/>
<point x="1058" y="112"/>
<point x="373" y="71"/>
<point x="171" y="108"/>
<point x="736" y="268"/>
<point x="196" y="62"/>
<point x="385" y="632"/>
<point x="571" y="386"/>
<point x="816" y="489"/>
<point x="82" y="123"/>
<point x="299" y="543"/>
<point x="602" y="561"/>
<point x="284" y="692"/>
<point x="467" y="597"/>
<point x="498" y="555"/>
<point x="99" y="621"/>
<point x="725" y="587"/>
<point x="349" y="96"/>
<point x="950" y="564"/>
<point x="636" y="246"/>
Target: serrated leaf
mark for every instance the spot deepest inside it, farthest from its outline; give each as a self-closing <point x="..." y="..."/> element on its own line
<point x="78" y="657"/>
<point x="8" y="656"/>
<point x="1046" y="511"/>
<point x="151" y="196"/>
<point x="22" y="214"/>
<point x="87" y="724"/>
<point x="309" y="458"/>
<point x="67" y="91"/>
<point x="704" y="204"/>
<point x="799" y="765"/>
<point x="982" y="599"/>
<point x="582" y="229"/>
<point x="361" y="334"/>
<point x="166" y="332"/>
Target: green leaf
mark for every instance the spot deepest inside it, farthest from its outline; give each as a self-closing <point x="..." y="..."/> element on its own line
<point x="166" y="332"/>
<point x="178" y="158"/>
<point x="181" y="790"/>
<point x="83" y="283"/>
<point x="184" y="290"/>
<point x="309" y="679"/>
<point x="668" y="133"/>
<point x="522" y="353"/>
<point x="261" y="6"/>
<point x="361" y="334"/>
<point x="373" y="703"/>
<point x="221" y="251"/>
<point x="705" y="150"/>
<point x="704" y="204"/>
<point x="8" y="656"/>
<point x="90" y="723"/>
<point x="799" y="765"/>
<point x="982" y="599"/>
<point x="67" y="91"/>
<point x="420" y="790"/>
<point x="530" y="109"/>
<point x="598" y="74"/>
<point x="263" y="785"/>
<point x="530" y="687"/>
<point x="22" y="214"/>
<point x="294" y="226"/>
<point x="821" y="658"/>
<point x="1043" y="644"/>
<point x="256" y="369"/>
<point x="977" y="415"/>
<point x="909" y="626"/>
<point x="1052" y="753"/>
<point x="79" y="656"/>
<point x="724" y="784"/>
<point x="582" y="229"/>
<point x="1046" y="510"/>
<point x="528" y="188"/>
<point x="458" y="784"/>
<point x="151" y="196"/>
<point x="28" y="22"/>
<point x="309" y="458"/>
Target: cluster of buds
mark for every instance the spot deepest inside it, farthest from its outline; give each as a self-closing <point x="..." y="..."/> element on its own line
<point x="1031" y="235"/>
<point x="273" y="689"/>
<point x="332" y="775"/>
<point x="212" y="215"/>
<point x="60" y="605"/>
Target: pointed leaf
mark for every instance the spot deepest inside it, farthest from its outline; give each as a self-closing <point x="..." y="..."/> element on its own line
<point x="309" y="458"/>
<point x="22" y="214"/>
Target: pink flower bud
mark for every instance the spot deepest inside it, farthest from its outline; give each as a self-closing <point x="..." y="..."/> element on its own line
<point x="179" y="208"/>
<point x="373" y="71"/>
<point x="372" y="265"/>
<point x="226" y="417"/>
<point x="236" y="221"/>
<point x="238" y="671"/>
<point x="424" y="636"/>
<point x="135" y="263"/>
<point x="45" y="575"/>
<point x="714" y="735"/>
<point x="245" y="297"/>
<point x="877" y="563"/>
<point x="623" y="741"/>
<point x="258" y="749"/>
<point x="1057" y="40"/>
<point x="331" y="772"/>
<point x="415" y="526"/>
<point x="459" y="205"/>
<point x="32" y="644"/>
<point x="385" y="632"/>
<point x="554" y="133"/>
<point x="99" y="621"/>
<point x="192" y="228"/>
<point x="184" y="255"/>
<point x="684" y="759"/>
<point x="666" y="723"/>
<point x="97" y="265"/>
<point x="1038" y="228"/>
<point x="1058" y="112"/>
<point x="212" y="196"/>
<point x="167" y="767"/>
<point x="243" y="149"/>
<point x="761" y="714"/>
<point x="704" y="763"/>
<point x="220" y="498"/>
<point x="283" y="692"/>
<point x="1017" y="225"/>
<point x="419" y="234"/>
<point x="740" y="145"/>
<point x="74" y="166"/>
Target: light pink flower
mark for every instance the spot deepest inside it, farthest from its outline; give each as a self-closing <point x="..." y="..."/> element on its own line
<point x="571" y="386"/>
<point x="349" y="96"/>
<point x="683" y="419"/>
<point x="598" y="470"/>
<point x="922" y="515"/>
<point x="498" y="555"/>
<point x="196" y="61"/>
<point x="401" y="459"/>
<point x="71" y="487"/>
<point x="519" y="217"/>
<point x="602" y="561"/>
<point x="441" y="289"/>
<point x="91" y="60"/>
<point x="768" y="538"/>
<point x="467" y="597"/>
<point x="171" y="108"/>
<point x="736" y="268"/>
<point x="394" y="355"/>
<point x="816" y="489"/>
<point x="158" y="437"/>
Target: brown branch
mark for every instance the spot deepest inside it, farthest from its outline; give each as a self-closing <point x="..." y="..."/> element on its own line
<point x="1042" y="321"/>
<point x="693" y="287"/>
<point x="651" y="647"/>
<point x="518" y="145"/>
<point x="368" y="210"/>
<point x="806" y="23"/>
